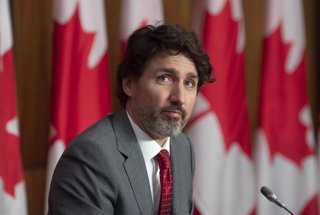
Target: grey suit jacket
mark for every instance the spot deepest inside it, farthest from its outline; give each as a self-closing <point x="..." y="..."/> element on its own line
<point x="103" y="172"/>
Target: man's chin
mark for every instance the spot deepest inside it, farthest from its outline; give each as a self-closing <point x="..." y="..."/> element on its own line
<point x="175" y="132"/>
<point x="168" y="129"/>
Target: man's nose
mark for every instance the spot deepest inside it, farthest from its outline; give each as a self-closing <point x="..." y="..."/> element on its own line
<point x="178" y="94"/>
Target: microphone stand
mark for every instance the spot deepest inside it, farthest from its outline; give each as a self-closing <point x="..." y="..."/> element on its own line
<point x="273" y="198"/>
<point x="288" y="210"/>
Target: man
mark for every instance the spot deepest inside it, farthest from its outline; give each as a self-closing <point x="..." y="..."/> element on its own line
<point x="116" y="166"/>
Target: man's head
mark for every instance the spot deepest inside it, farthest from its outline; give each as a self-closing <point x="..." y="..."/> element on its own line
<point x="146" y="42"/>
<point x="159" y="78"/>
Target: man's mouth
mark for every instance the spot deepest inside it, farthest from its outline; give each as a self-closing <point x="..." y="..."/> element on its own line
<point x="174" y="113"/>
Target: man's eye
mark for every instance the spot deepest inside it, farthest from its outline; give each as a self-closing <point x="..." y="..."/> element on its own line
<point x="190" y="83"/>
<point x="163" y="78"/>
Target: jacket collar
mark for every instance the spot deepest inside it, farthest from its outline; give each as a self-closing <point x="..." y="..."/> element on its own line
<point x="134" y="164"/>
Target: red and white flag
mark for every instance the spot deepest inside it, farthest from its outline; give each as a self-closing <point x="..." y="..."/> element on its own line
<point x="12" y="185"/>
<point x="138" y="13"/>
<point x="80" y="79"/>
<point x="285" y="147"/>
<point x="219" y="126"/>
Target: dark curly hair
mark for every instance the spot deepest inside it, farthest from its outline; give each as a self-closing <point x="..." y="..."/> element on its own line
<point x="148" y="41"/>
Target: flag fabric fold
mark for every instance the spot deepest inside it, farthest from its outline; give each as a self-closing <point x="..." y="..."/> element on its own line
<point x="80" y="76"/>
<point x="285" y="153"/>
<point x="219" y="127"/>
<point x="136" y="14"/>
<point x="12" y="184"/>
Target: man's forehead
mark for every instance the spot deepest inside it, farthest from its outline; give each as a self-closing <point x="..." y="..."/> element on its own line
<point x="175" y="63"/>
<point x="173" y="59"/>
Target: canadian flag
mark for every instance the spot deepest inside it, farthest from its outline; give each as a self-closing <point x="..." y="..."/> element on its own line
<point x="136" y="14"/>
<point x="219" y="127"/>
<point x="12" y="185"/>
<point x="285" y="147"/>
<point x="80" y="79"/>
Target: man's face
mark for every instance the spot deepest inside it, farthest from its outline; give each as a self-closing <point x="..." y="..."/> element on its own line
<point x="161" y="101"/>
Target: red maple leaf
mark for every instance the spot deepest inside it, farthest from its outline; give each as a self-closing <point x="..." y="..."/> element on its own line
<point x="80" y="95"/>
<point x="10" y="160"/>
<point x="311" y="207"/>
<point x="283" y="97"/>
<point x="227" y="95"/>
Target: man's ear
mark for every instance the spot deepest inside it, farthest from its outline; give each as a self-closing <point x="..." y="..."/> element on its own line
<point x="128" y="86"/>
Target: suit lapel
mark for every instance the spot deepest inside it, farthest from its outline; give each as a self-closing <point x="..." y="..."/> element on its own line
<point x="134" y="164"/>
<point x="179" y="161"/>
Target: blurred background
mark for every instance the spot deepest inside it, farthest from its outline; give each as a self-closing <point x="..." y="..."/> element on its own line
<point x="32" y="26"/>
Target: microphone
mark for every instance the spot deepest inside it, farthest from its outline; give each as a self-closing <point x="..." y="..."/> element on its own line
<point x="273" y="198"/>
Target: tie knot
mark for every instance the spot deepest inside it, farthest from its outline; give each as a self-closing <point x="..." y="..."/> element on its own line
<point x="163" y="159"/>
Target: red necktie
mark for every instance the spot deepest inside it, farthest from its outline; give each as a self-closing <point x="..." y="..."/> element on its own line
<point x="166" y="182"/>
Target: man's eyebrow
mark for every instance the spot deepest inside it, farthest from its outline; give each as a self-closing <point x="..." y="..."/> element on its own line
<point x="169" y="70"/>
<point x="174" y="71"/>
<point x="192" y="75"/>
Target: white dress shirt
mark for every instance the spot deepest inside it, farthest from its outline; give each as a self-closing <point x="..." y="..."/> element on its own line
<point x="150" y="148"/>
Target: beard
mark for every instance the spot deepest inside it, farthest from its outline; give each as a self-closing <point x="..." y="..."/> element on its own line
<point x="164" y="125"/>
